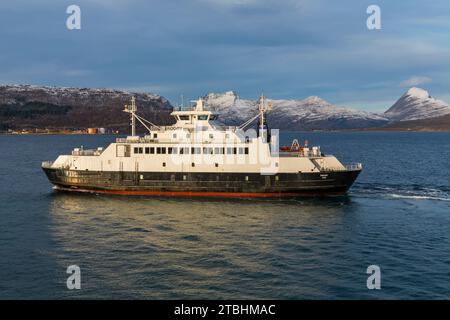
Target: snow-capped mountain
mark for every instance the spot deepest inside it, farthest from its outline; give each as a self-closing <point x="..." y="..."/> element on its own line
<point x="308" y="114"/>
<point x="417" y="104"/>
<point x="26" y="106"/>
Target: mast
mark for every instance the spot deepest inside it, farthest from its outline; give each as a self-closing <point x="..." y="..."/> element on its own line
<point x="132" y="110"/>
<point x="261" y="112"/>
<point x="263" y="108"/>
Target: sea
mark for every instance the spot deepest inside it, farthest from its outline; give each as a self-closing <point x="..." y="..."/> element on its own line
<point x="396" y="217"/>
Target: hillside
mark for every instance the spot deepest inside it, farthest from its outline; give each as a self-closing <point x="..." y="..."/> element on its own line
<point x="431" y="124"/>
<point x="25" y="106"/>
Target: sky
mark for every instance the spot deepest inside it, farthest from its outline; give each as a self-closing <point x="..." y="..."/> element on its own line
<point x="288" y="49"/>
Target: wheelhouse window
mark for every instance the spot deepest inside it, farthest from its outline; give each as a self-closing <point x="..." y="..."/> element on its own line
<point x="184" y="150"/>
<point x="243" y="150"/>
<point x="203" y="117"/>
<point x="184" y="118"/>
<point x="219" y="150"/>
<point x="208" y="150"/>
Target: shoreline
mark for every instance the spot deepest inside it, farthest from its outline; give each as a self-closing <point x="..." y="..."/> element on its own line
<point x="300" y="131"/>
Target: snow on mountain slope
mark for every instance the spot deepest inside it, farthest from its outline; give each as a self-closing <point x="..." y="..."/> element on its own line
<point x="19" y="94"/>
<point x="417" y="104"/>
<point x="308" y="114"/>
<point x="232" y="109"/>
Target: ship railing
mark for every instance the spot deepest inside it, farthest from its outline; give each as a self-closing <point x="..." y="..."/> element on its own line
<point x="47" y="164"/>
<point x="353" y="166"/>
<point x="164" y="128"/>
<point x="137" y="140"/>
<point x="87" y="152"/>
<point x="174" y="142"/>
<point x="347" y="167"/>
<point x="305" y="154"/>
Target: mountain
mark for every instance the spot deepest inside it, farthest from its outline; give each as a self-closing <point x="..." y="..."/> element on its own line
<point x="40" y="107"/>
<point x="26" y="106"/>
<point x="417" y="104"/>
<point x="308" y="114"/>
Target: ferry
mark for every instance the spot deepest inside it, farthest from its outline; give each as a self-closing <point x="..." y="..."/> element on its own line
<point x="198" y="156"/>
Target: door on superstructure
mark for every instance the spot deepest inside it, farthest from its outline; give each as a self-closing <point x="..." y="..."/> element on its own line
<point x="136" y="173"/>
<point x="120" y="171"/>
<point x="123" y="150"/>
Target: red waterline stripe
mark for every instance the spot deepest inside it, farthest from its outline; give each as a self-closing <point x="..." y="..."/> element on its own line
<point x="203" y="194"/>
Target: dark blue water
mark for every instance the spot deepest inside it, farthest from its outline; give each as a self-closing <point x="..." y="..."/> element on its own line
<point x="396" y="216"/>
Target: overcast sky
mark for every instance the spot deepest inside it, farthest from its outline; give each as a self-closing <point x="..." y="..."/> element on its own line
<point x="288" y="49"/>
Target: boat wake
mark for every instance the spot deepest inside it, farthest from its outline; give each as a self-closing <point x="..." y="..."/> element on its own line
<point x="419" y="197"/>
<point x="414" y="192"/>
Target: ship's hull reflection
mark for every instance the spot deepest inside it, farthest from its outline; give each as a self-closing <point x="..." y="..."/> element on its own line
<point x="196" y="248"/>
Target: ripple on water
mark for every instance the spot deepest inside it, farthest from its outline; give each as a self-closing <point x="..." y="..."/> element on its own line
<point x="396" y="216"/>
<point x="191" y="237"/>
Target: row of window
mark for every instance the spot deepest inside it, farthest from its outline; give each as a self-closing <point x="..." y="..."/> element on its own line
<point x="188" y="135"/>
<point x="191" y="150"/>
<point x="277" y="178"/>
<point x="193" y="164"/>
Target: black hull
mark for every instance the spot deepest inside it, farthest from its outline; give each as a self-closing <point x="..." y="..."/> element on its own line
<point x="204" y="184"/>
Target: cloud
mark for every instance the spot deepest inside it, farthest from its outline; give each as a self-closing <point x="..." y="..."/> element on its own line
<point x="287" y="48"/>
<point x="415" y="81"/>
